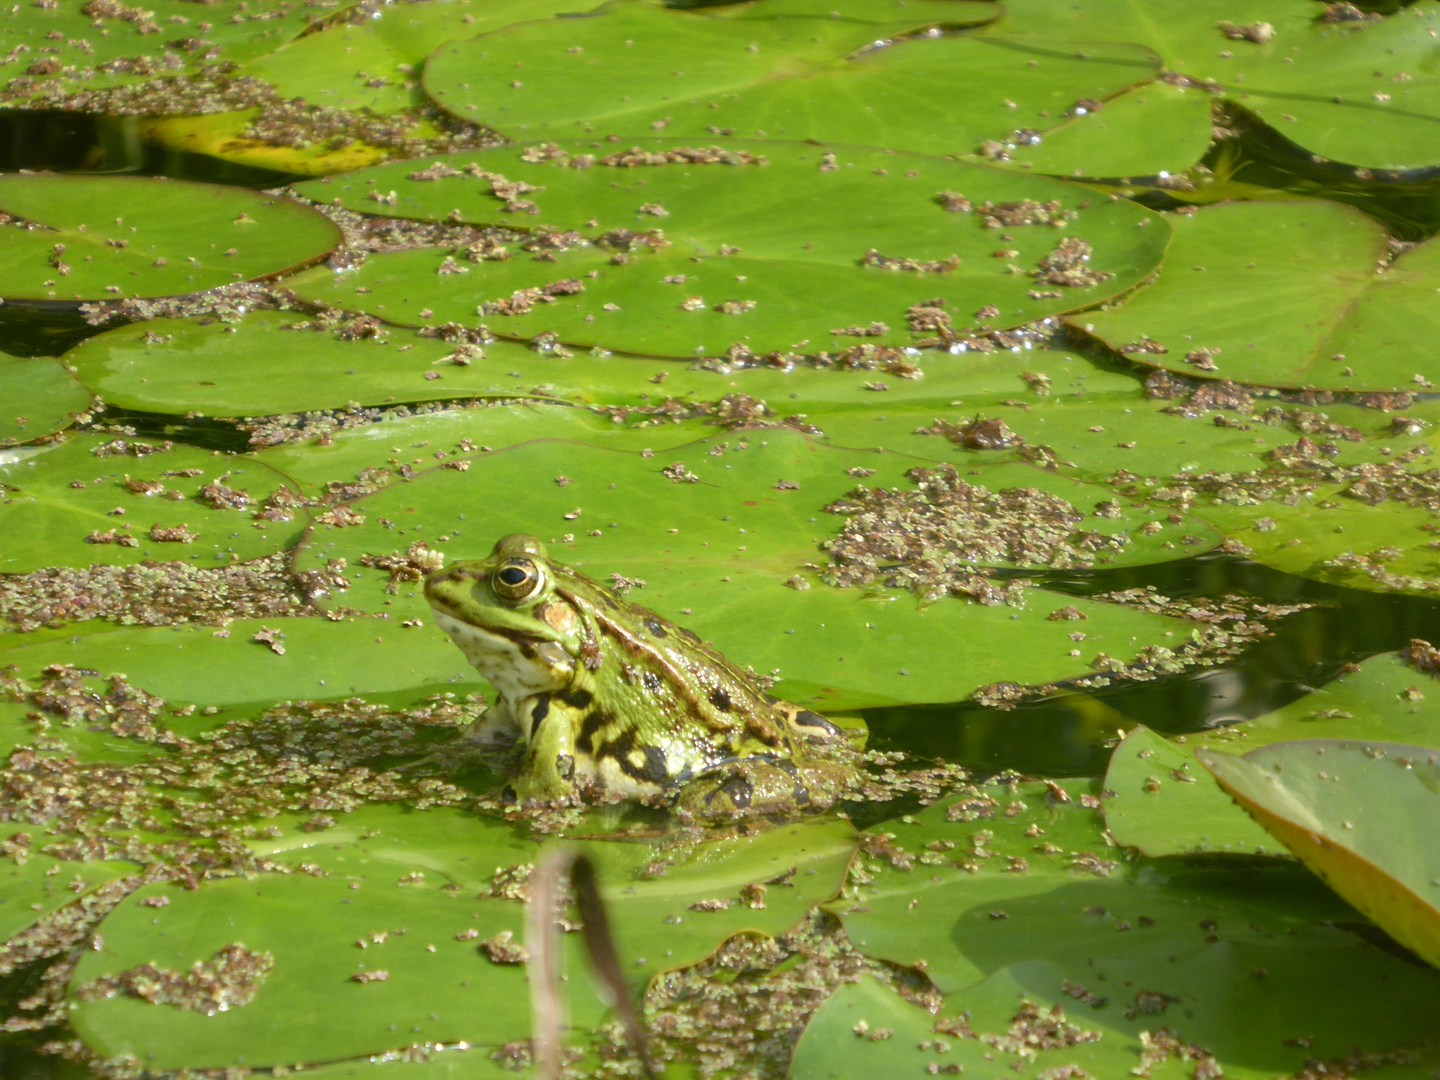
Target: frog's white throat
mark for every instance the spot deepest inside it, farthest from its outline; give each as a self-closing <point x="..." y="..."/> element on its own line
<point x="502" y="662"/>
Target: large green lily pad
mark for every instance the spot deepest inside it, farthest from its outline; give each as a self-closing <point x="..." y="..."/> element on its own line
<point x="833" y="77"/>
<point x="1365" y="94"/>
<point x="1164" y="804"/>
<point x="41" y="398"/>
<point x="1231" y="960"/>
<point x="278" y="362"/>
<point x="97" y="499"/>
<point x="1337" y="535"/>
<point x="719" y="555"/>
<point x="198" y="665"/>
<point x="1347" y="809"/>
<point x="1317" y="310"/>
<point x="92" y="46"/>
<point x="405" y="883"/>
<point x="1385" y="699"/>
<point x="1362" y="93"/>
<point x="795" y="284"/>
<point x="375" y="64"/>
<point x="114" y="237"/>
<point x="1033" y="1015"/>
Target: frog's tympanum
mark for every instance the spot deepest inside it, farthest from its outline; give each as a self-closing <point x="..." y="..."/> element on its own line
<point x="608" y="696"/>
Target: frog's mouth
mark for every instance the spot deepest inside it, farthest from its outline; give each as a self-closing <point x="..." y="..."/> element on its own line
<point x="517" y="664"/>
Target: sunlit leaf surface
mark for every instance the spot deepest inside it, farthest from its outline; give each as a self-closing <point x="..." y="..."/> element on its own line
<point x="92" y="238"/>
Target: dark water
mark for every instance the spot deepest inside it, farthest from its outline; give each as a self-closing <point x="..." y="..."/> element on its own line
<point x="1061" y="736"/>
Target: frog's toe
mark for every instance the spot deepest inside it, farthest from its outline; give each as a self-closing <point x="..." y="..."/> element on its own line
<point x="752" y="788"/>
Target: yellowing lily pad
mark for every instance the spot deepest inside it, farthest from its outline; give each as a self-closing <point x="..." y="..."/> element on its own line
<point x="1348" y="809"/>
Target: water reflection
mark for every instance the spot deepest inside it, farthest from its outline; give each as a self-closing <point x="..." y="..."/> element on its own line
<point x="1066" y="735"/>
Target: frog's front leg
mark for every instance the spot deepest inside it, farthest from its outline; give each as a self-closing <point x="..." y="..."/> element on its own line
<point x="548" y="771"/>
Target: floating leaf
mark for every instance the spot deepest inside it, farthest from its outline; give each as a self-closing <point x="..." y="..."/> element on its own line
<point x="114" y="237"/>
<point x="779" y="74"/>
<point x="1361" y="92"/>
<point x="41" y="398"/>
<point x="93" y="499"/>
<point x="197" y="664"/>
<point x="750" y="256"/>
<point x="1346" y="809"/>
<point x="719" y="553"/>
<point x="1162" y="806"/>
<point x="97" y="45"/>
<point x="374" y="64"/>
<point x="993" y="877"/>
<point x="1055" y="1019"/>
<point x="1390" y="698"/>
<point x="1316" y="312"/>
<point x="278" y="362"/>
<point x="384" y="917"/>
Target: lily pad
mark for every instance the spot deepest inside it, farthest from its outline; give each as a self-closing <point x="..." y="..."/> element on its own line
<point x="93" y="46"/>
<point x="36" y="886"/>
<point x="234" y="137"/>
<point x="1164" y="943"/>
<point x="1335" y="535"/>
<point x="404" y="883"/>
<point x="732" y="548"/>
<point x="278" y="362"/>
<point x="1161" y="806"/>
<point x="1317" y="313"/>
<point x="112" y="237"/>
<point x="375" y="64"/>
<point x="231" y="667"/>
<point x="750" y="257"/>
<point x="774" y="72"/>
<point x="41" y="398"/>
<point x="1345" y="808"/>
<point x="1364" y="93"/>
<point x="119" y="501"/>
<point x="1389" y="698"/>
<point x="1035" y="1015"/>
<point x="1359" y="92"/>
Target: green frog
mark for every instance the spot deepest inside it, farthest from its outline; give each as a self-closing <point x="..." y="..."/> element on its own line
<point x="608" y="696"/>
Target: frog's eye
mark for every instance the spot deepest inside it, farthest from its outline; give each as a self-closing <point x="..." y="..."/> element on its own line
<point x="516" y="579"/>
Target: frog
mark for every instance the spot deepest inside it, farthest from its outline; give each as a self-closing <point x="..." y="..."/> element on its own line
<point x="612" y="699"/>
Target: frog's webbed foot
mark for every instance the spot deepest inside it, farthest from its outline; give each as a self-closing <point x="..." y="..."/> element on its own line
<point x="754" y="787"/>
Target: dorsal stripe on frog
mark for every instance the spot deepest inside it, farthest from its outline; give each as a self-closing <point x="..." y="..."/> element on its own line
<point x="680" y="683"/>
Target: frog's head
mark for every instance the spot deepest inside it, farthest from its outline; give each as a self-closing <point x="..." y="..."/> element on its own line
<point x="507" y="618"/>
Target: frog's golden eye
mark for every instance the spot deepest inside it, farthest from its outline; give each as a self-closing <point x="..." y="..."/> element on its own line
<point x="517" y="579"/>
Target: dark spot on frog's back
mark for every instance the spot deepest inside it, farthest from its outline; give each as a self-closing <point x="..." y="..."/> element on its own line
<point x="656" y="628"/>
<point x="800" y="793"/>
<point x="652" y="682"/>
<point x="720" y="698"/>
<point x="591" y="726"/>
